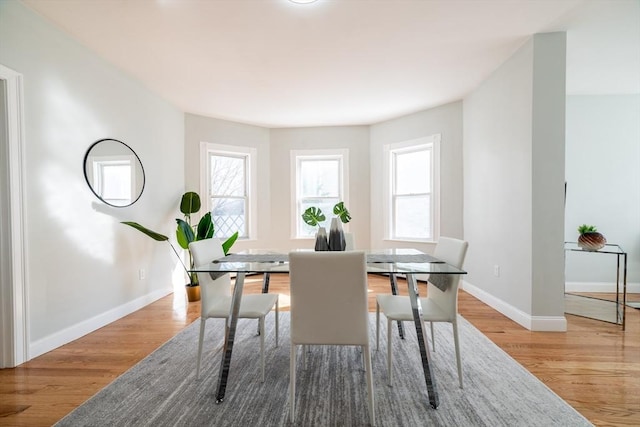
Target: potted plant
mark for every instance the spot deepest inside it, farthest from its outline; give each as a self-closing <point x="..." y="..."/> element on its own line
<point x="590" y="239"/>
<point x="187" y="233"/>
<point x="313" y="216"/>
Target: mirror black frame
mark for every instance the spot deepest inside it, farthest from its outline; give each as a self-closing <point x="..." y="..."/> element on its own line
<point x="86" y="177"/>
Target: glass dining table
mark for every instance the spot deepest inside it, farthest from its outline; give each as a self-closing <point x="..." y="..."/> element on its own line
<point x="391" y="262"/>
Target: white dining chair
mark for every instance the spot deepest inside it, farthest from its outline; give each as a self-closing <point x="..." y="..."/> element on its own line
<point x="350" y="242"/>
<point x="329" y="307"/>
<point x="437" y="306"/>
<point x="216" y="297"/>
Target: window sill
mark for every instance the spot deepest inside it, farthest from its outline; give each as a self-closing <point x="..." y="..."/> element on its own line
<point x="410" y="241"/>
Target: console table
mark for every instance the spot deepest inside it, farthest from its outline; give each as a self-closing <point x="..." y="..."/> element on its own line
<point x="599" y="308"/>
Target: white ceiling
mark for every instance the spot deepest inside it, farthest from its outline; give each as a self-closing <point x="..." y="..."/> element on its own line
<point x="343" y="62"/>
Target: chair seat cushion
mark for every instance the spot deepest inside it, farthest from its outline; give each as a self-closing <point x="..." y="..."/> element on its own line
<point x="252" y="306"/>
<point x="398" y="307"/>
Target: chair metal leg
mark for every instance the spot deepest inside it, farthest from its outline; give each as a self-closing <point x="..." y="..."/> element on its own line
<point x="277" y="319"/>
<point x="304" y="357"/>
<point x="457" y="345"/>
<point x="389" y="352"/>
<point x="377" y="326"/>
<point x="372" y="407"/>
<point x="292" y="383"/>
<point x="265" y="290"/>
<point x="394" y="291"/>
<point x="202" y="326"/>
<point x="261" y="323"/>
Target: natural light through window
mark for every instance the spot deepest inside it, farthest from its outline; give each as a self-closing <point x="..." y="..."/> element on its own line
<point x="320" y="182"/>
<point x="412" y="202"/>
<point x="114" y="180"/>
<point x="228" y="188"/>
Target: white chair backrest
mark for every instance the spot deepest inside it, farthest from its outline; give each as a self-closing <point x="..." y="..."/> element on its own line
<point x="350" y="242"/>
<point x="328" y="298"/>
<point x="203" y="252"/>
<point x="451" y="251"/>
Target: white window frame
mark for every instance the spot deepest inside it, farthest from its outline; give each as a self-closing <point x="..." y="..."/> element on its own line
<point x="432" y="141"/>
<point x="296" y="156"/>
<point x="250" y="154"/>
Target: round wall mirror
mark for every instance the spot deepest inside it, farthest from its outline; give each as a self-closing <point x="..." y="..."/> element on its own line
<point x="114" y="172"/>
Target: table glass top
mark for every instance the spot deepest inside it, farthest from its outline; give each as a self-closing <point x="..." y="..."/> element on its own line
<point x="407" y="261"/>
<point x="609" y="248"/>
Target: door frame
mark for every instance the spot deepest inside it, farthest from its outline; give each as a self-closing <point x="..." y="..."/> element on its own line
<point x="14" y="322"/>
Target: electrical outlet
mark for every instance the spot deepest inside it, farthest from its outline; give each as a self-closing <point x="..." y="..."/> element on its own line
<point x="142" y="274"/>
<point x="496" y="270"/>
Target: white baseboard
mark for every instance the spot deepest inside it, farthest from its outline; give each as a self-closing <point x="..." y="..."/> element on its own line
<point x="533" y="323"/>
<point x="81" y="329"/>
<point x="632" y="288"/>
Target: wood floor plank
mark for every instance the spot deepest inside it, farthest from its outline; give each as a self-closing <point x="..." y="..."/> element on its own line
<point x="594" y="366"/>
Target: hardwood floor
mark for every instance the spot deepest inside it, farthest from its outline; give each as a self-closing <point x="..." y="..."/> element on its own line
<point x="595" y="366"/>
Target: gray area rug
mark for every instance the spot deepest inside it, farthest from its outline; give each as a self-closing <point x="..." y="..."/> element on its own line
<point x="162" y="390"/>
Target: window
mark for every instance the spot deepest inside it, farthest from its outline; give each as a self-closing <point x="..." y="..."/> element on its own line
<point x="413" y="189"/>
<point x="320" y="181"/>
<point x="228" y="185"/>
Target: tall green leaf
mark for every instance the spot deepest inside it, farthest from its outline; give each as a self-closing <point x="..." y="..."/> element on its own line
<point x="156" y="236"/>
<point x="184" y="234"/>
<point x="226" y="246"/>
<point x="341" y="211"/>
<point x="205" y="227"/>
<point x="190" y="203"/>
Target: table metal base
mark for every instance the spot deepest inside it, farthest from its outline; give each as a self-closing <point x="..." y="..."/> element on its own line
<point x="232" y="322"/>
<point x="230" y="334"/>
<point x="416" y="308"/>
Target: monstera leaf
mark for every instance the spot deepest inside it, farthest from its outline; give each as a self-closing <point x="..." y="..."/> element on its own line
<point x="312" y="216"/>
<point x="341" y="212"/>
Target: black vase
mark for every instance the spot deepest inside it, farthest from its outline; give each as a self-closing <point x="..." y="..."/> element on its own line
<point x="336" y="236"/>
<point x="321" y="240"/>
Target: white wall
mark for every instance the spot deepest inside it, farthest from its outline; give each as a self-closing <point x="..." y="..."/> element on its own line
<point x="205" y="129"/>
<point x="547" y="186"/>
<point x="82" y="265"/>
<point x="274" y="185"/>
<point x="445" y="120"/>
<point x="513" y="184"/>
<point x="603" y="182"/>
<point x="353" y="138"/>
